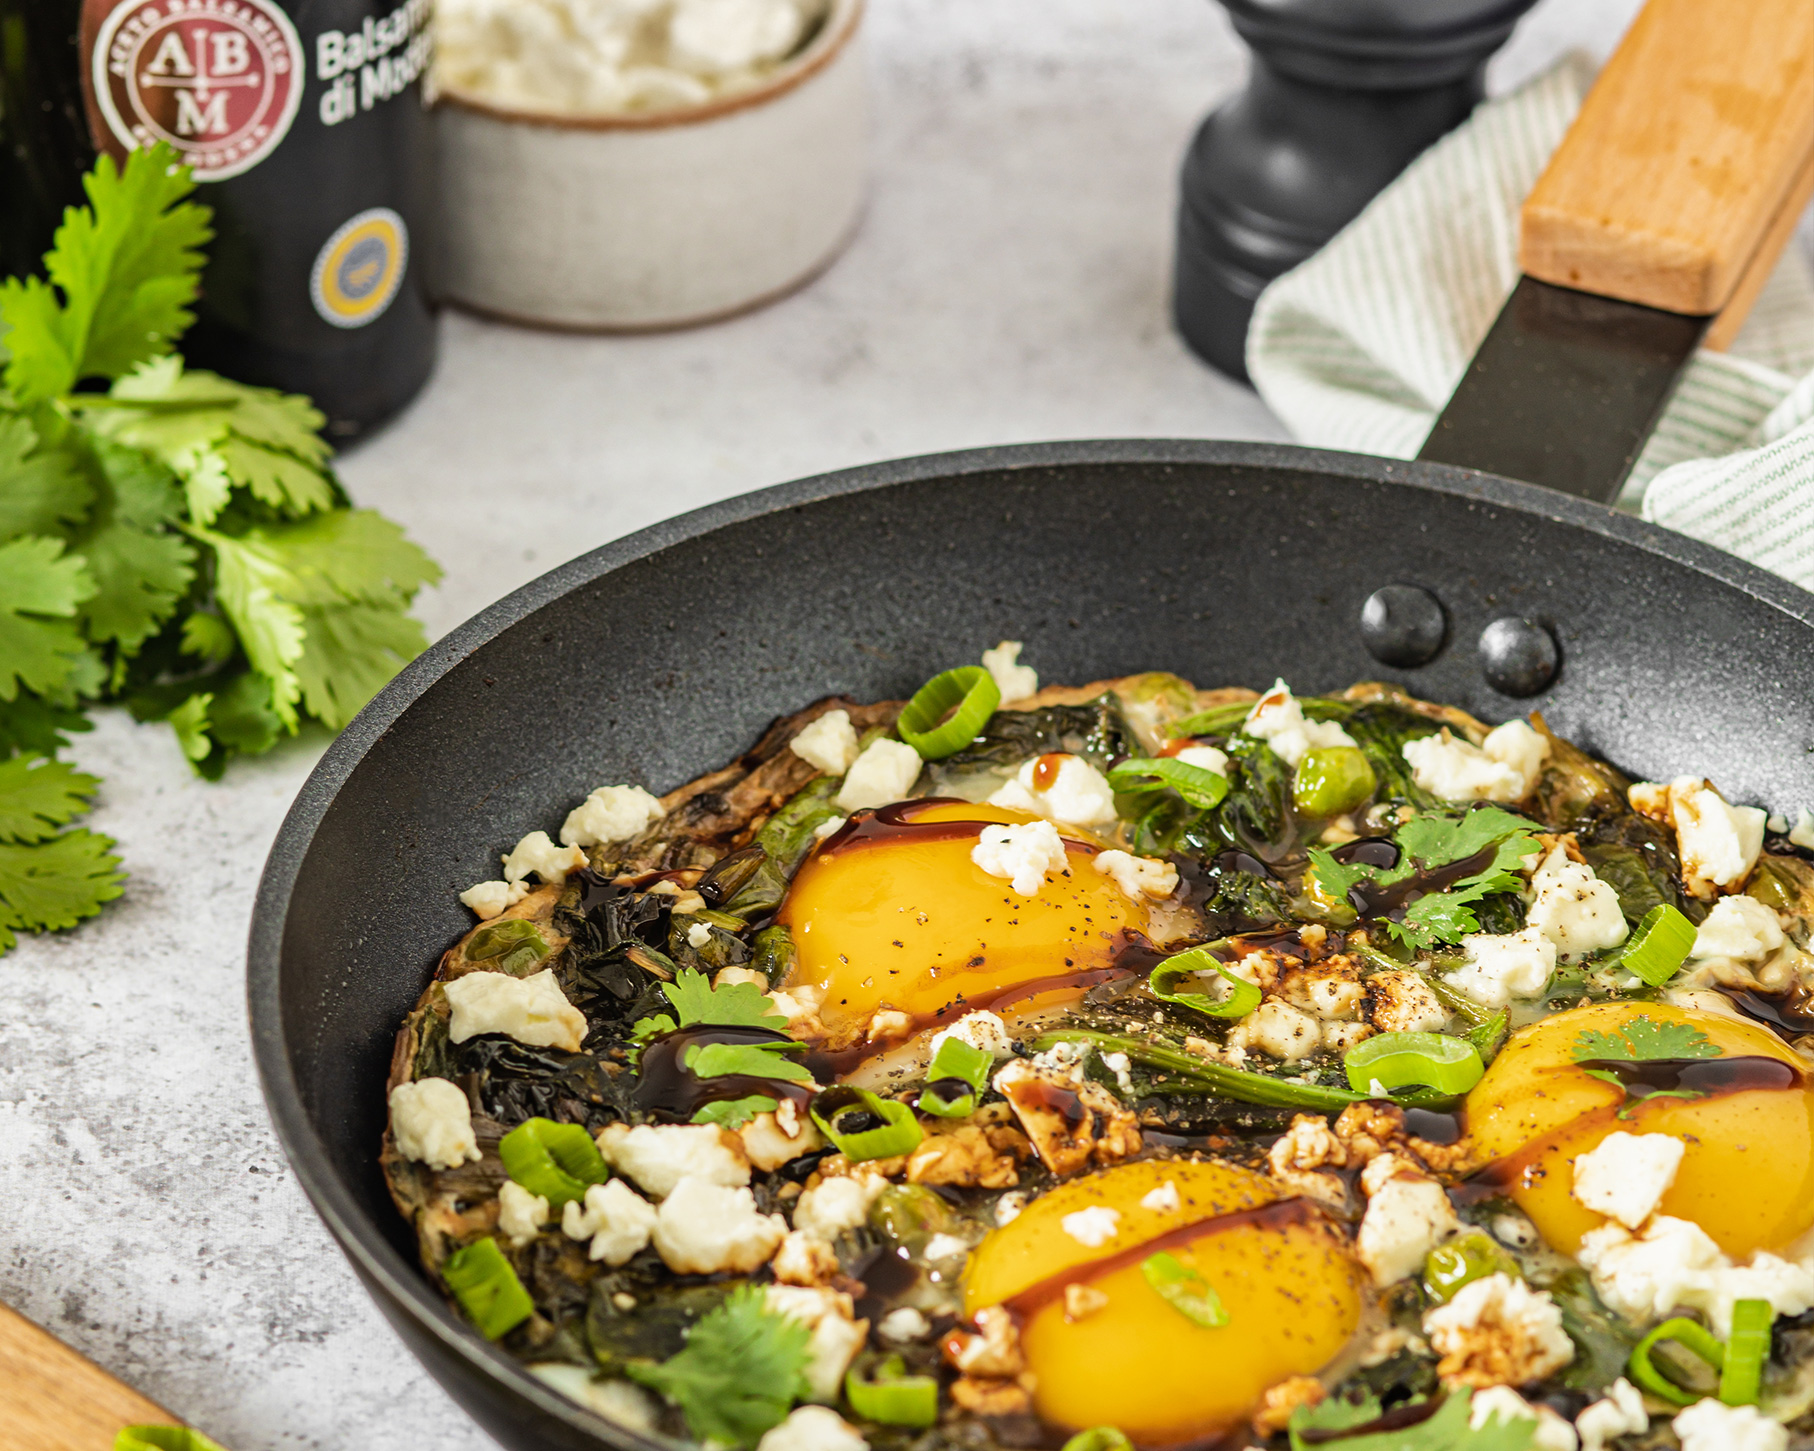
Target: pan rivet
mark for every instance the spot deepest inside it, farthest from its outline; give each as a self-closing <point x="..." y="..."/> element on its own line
<point x="1403" y="625"/>
<point x="1518" y="656"/>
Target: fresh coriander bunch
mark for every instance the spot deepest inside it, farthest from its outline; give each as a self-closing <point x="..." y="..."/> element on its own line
<point x="169" y="539"/>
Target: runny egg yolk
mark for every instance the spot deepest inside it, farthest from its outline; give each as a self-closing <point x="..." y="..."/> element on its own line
<point x="1747" y="1173"/>
<point x="1284" y="1276"/>
<point x="902" y="918"/>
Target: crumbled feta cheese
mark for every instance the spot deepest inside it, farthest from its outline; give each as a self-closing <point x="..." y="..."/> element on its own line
<point x="520" y="1213"/>
<point x="1117" y="1064"/>
<point x="1008" y="1208"/>
<point x="885" y="772"/>
<point x="834" y="1205"/>
<point x="1206" y="758"/>
<point x="532" y="1009"/>
<point x="903" y="1326"/>
<point x="1802" y="833"/>
<point x="1402" y="1002"/>
<point x="828" y="744"/>
<point x="713" y="37"/>
<point x="431" y="1122"/>
<point x="698" y="935"/>
<point x="1673" y="1264"/>
<point x="1712" y="1425"/>
<point x="813" y="1428"/>
<point x="1498" y="1331"/>
<point x="1573" y="908"/>
<point x="620" y="1401"/>
<point x="1619" y="1413"/>
<point x="1626" y="1177"/>
<point x="1515" y="965"/>
<point x="1738" y="927"/>
<point x="1504" y="1405"/>
<point x="945" y="1247"/>
<point x="828" y="827"/>
<point x="1718" y="843"/>
<point x="982" y="1030"/>
<point x="1278" y="719"/>
<point x="1075" y="793"/>
<point x="704" y="1228"/>
<point x="1407" y="1216"/>
<point x="659" y="1156"/>
<point x="773" y="1139"/>
<point x="536" y="853"/>
<point x="1092" y="1227"/>
<point x="610" y="814"/>
<point x="1025" y="854"/>
<point x="617" y="1220"/>
<point x="1278" y="1029"/>
<point x="1138" y="876"/>
<point x="1504" y="767"/>
<point x="1163" y="1200"/>
<point x="836" y="1338"/>
<point x="1014" y="680"/>
<point x="492" y="899"/>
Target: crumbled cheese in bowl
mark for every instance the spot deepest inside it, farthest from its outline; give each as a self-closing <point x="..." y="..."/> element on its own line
<point x="615" y="57"/>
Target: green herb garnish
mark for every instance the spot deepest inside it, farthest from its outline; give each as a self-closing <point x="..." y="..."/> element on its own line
<point x="176" y="543"/>
<point x="742" y="1369"/>
<point x="1446" y="1429"/>
<point x="1643" y="1040"/>
<point x="735" y="1005"/>
<point x="1184" y="1290"/>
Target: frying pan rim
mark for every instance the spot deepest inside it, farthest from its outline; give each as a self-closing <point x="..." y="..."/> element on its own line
<point x="358" y="1236"/>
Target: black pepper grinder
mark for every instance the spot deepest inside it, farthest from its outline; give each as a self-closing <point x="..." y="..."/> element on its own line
<point x="1342" y="95"/>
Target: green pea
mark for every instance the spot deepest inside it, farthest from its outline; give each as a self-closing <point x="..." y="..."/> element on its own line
<point x="1331" y="780"/>
<point x="1468" y="1257"/>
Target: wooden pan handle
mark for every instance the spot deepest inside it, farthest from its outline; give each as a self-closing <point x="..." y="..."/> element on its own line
<point x="52" y="1399"/>
<point x="1689" y="162"/>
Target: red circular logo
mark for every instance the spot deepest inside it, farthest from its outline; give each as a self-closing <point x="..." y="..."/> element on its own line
<point x="219" y="80"/>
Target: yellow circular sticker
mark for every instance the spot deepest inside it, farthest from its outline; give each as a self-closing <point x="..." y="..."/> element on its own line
<point x="359" y="269"/>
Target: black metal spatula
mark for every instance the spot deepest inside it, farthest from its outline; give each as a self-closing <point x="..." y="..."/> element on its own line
<point x="1649" y="235"/>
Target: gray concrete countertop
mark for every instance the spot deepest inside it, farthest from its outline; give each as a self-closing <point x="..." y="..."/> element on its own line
<point x="1008" y="283"/>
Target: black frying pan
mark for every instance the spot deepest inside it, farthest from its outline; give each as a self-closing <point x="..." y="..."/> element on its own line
<point x="658" y="657"/>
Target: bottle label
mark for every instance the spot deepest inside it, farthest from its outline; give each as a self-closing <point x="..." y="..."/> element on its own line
<point x="359" y="269"/>
<point x="220" y="80"/>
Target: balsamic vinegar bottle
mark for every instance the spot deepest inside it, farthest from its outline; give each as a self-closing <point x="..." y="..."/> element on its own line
<point x="304" y="125"/>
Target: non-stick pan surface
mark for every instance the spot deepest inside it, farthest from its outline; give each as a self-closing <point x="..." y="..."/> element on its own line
<point x="664" y="654"/>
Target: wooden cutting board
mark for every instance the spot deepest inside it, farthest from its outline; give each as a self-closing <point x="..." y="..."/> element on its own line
<point x="52" y="1399"/>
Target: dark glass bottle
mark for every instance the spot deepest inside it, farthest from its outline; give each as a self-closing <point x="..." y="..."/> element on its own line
<point x="44" y="144"/>
<point x="305" y="127"/>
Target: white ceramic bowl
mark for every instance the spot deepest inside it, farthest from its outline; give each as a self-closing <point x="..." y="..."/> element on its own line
<point x="634" y="222"/>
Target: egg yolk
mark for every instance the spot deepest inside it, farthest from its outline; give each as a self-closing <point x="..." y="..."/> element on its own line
<point x="1747" y="1175"/>
<point x="902" y="918"/>
<point x="1290" y="1288"/>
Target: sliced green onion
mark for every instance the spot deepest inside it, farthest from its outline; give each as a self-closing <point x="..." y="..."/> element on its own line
<point x="162" y="1438"/>
<point x="1331" y="780"/>
<point x="556" y="1161"/>
<point x="1218" y="720"/>
<point x="1659" y="947"/>
<point x="1691" y="1336"/>
<point x="1100" y="1438"/>
<point x="893" y="1398"/>
<point x="1242" y="999"/>
<point x="970" y="692"/>
<point x="898" y="1133"/>
<point x="1411" y="1060"/>
<point x="955" y="1063"/>
<point x="1184" y="1290"/>
<point x="487" y="1288"/>
<point x="518" y="943"/>
<point x="1747" y="1347"/>
<point x="1200" y="787"/>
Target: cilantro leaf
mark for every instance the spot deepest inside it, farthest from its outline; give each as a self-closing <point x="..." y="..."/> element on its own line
<point x="734" y="1113"/>
<point x="39" y="796"/>
<point x="55" y="884"/>
<point x="1437" y="840"/>
<point x="741" y="1370"/>
<point x="349" y="653"/>
<point x="42" y="491"/>
<point x="1335" y="878"/>
<point x="1644" y="1039"/>
<point x="249" y="583"/>
<point x="208" y="637"/>
<point x="141" y="568"/>
<point x="754" y="1060"/>
<point x="37" y="726"/>
<point x="1439" y="917"/>
<point x="1446" y="1430"/>
<point x="126" y="266"/>
<point x="36" y="580"/>
<point x="735" y="1005"/>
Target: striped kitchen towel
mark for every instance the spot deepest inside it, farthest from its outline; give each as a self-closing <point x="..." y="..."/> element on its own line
<point x="1360" y="346"/>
